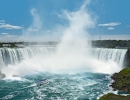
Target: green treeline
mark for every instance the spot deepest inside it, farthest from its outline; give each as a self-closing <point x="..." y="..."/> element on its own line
<point x="22" y="44"/>
<point x="95" y="43"/>
<point x="111" y="43"/>
<point x="10" y="45"/>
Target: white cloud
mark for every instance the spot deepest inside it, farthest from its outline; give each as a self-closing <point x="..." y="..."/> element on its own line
<point x="2" y="21"/>
<point x="110" y="24"/>
<point x="4" y="33"/>
<point x="8" y="26"/>
<point x="110" y="28"/>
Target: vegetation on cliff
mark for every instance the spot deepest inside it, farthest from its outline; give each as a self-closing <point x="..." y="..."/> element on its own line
<point x="22" y="44"/>
<point x="111" y="43"/>
<point x="10" y="45"/>
<point x="111" y="96"/>
<point x="122" y="80"/>
<point x="121" y="83"/>
<point x="95" y="43"/>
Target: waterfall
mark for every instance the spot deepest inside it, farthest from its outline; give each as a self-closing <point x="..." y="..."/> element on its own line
<point x="20" y="61"/>
<point x="106" y="55"/>
<point x="12" y="56"/>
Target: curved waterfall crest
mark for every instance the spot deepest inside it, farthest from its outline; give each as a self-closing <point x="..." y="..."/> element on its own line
<point x="105" y="55"/>
<point x="12" y="56"/>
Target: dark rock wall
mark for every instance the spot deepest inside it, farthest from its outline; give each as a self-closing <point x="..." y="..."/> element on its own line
<point x="127" y="59"/>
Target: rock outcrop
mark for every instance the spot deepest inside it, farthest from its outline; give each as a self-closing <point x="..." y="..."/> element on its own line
<point x="121" y="80"/>
<point x="122" y="84"/>
<point x="111" y="96"/>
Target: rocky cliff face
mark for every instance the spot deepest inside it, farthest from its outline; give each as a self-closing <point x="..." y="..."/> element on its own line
<point x="122" y="80"/>
<point x="122" y="84"/>
<point x="127" y="59"/>
<point x="129" y="53"/>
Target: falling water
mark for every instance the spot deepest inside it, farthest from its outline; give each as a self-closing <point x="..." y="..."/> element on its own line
<point x="45" y="58"/>
<point x="13" y="56"/>
<point x="106" y="55"/>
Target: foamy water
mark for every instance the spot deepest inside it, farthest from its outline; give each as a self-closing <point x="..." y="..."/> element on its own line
<point x="60" y="87"/>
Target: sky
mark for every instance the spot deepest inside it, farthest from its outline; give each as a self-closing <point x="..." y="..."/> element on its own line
<point x="35" y="18"/>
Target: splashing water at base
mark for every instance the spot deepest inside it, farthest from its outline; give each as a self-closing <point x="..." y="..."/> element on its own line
<point x="60" y="87"/>
<point x="71" y="62"/>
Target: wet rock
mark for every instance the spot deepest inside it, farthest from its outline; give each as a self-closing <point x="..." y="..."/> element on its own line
<point x="111" y="96"/>
<point x="122" y="80"/>
<point x="121" y="84"/>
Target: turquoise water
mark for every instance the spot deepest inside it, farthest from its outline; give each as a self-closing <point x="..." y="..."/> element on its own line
<point x="80" y="86"/>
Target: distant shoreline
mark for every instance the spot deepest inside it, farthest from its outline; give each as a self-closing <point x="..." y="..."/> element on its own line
<point x="119" y="44"/>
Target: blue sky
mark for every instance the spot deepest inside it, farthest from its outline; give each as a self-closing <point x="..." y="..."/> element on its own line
<point x="112" y="17"/>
